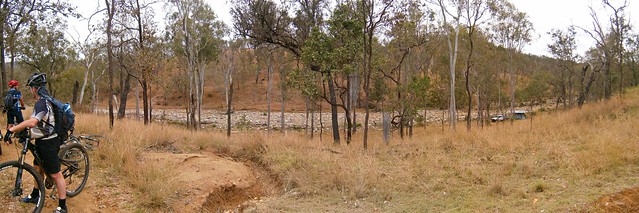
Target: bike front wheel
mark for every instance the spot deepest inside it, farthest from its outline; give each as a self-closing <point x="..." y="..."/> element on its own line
<point x="17" y="182"/>
<point x="75" y="167"/>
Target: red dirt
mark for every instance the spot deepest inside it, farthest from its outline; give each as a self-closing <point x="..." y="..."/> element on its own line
<point x="624" y="201"/>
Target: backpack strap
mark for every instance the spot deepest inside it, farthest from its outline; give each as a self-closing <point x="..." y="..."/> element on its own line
<point x="50" y="113"/>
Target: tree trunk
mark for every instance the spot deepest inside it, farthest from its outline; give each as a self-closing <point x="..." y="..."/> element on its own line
<point x="12" y="60"/>
<point x="229" y="107"/>
<point x="480" y="114"/>
<point x="331" y="89"/>
<point x="150" y="103"/>
<point x="229" y="93"/>
<point x="402" y="107"/>
<point x="137" y="102"/>
<point x="307" y="109"/>
<point x="354" y="96"/>
<point x="608" y="78"/>
<point x="282" y="72"/>
<point x="512" y="86"/>
<point x="200" y="95"/>
<point x="145" y="101"/>
<point x="349" y="126"/>
<point x="257" y="73"/>
<point x="366" y="106"/>
<point x="320" y="122"/>
<point x="268" y="92"/>
<point x="586" y="86"/>
<point x="452" y="60"/>
<point x="3" y="68"/>
<point x="110" y="11"/>
<point x="190" y="56"/>
<point x="124" y="93"/>
<point x="283" y="107"/>
<point x="94" y="98"/>
<point x="386" y="127"/>
<point x="84" y="84"/>
<point x="367" y="69"/>
<point x="469" y="66"/>
<point x="76" y="87"/>
<point x="313" y="120"/>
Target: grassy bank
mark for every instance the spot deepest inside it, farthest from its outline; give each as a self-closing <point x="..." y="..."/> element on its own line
<point x="559" y="161"/>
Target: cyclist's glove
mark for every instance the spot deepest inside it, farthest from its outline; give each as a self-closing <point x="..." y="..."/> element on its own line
<point x="7" y="136"/>
<point x="22" y="108"/>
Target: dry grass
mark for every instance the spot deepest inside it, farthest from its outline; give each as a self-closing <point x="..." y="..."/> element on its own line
<point x="153" y="186"/>
<point x="557" y="162"/>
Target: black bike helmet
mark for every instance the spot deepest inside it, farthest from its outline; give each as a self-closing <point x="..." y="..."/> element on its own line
<point x="37" y="80"/>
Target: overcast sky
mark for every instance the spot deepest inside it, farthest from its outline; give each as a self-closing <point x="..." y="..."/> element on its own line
<point x="559" y="14"/>
<point x="544" y="14"/>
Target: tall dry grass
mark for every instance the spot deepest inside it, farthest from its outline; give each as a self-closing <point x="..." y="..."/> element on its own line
<point x="556" y="161"/>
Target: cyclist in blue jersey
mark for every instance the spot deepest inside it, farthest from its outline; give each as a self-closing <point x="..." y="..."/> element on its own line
<point x="14" y="114"/>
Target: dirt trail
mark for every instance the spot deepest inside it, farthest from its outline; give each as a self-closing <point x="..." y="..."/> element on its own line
<point x="207" y="183"/>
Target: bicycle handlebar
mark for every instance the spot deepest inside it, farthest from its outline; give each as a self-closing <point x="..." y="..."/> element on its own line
<point x="24" y="134"/>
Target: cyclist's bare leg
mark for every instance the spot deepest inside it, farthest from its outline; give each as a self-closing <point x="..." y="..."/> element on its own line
<point x="41" y="172"/>
<point x="61" y="184"/>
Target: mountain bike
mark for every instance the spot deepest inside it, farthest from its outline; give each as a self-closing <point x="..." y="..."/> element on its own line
<point x="88" y="141"/>
<point x="18" y="178"/>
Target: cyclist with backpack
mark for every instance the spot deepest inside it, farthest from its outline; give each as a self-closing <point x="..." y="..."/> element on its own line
<point x="13" y="104"/>
<point x="41" y="126"/>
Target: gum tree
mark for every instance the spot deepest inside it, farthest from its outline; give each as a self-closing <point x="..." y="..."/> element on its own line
<point x="195" y="34"/>
<point x="511" y="30"/>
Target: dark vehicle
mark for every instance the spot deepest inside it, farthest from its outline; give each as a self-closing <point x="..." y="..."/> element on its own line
<point x="519" y="115"/>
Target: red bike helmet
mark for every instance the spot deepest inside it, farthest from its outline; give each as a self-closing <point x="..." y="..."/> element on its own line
<point x="13" y="83"/>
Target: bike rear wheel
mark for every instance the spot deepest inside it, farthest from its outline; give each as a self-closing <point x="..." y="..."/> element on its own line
<point x="11" y="193"/>
<point x="92" y="141"/>
<point x="75" y="167"/>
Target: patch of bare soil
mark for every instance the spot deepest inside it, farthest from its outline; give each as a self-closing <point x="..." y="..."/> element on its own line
<point x="208" y="183"/>
<point x="624" y="201"/>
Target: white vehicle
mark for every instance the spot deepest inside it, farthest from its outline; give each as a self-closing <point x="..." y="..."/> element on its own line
<point x="497" y="118"/>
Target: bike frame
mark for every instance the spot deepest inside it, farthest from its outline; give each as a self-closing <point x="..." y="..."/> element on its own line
<point x="28" y="146"/>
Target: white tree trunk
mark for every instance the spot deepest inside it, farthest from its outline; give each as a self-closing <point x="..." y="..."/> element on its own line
<point x="84" y="82"/>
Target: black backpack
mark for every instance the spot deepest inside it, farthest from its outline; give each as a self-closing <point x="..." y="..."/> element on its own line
<point x="8" y="102"/>
<point x="64" y="118"/>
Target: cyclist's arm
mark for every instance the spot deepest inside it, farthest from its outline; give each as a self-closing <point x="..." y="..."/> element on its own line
<point x="21" y="102"/>
<point x="31" y="122"/>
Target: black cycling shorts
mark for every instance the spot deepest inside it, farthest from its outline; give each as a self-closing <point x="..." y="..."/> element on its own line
<point x="14" y="116"/>
<point x="48" y="152"/>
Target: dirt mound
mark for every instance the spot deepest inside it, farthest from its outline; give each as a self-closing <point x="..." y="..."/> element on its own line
<point x="624" y="201"/>
<point x="209" y="182"/>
